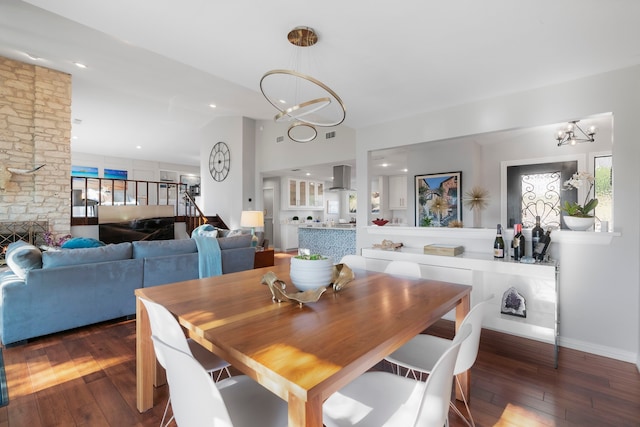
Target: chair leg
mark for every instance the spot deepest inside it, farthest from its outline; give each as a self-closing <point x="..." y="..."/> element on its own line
<point x="217" y="377"/>
<point x="466" y="405"/>
<point x="166" y="409"/>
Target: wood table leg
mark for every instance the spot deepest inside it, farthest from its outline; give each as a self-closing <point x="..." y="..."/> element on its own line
<point x="462" y="309"/>
<point x="145" y="359"/>
<point x="305" y="414"/>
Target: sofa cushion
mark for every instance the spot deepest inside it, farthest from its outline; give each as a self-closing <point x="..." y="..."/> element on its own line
<point x="155" y="248"/>
<point x="22" y="257"/>
<point x="233" y="242"/>
<point x="81" y="242"/>
<point x="112" y="252"/>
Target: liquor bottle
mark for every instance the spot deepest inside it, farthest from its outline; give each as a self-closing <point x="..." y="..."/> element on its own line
<point x="518" y="242"/>
<point x="536" y="233"/>
<point x="540" y="250"/>
<point x="498" y="244"/>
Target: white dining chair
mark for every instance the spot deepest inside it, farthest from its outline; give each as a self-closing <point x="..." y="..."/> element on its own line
<point x="420" y="354"/>
<point x="354" y="261"/>
<point x="384" y="399"/>
<point x="198" y="401"/>
<point x="167" y="328"/>
<point x="403" y="268"/>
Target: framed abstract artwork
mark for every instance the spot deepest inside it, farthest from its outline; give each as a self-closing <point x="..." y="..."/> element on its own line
<point x="438" y="199"/>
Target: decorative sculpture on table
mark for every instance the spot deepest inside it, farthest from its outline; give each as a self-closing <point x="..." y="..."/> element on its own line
<point x="387" y="245"/>
<point x="279" y="293"/>
<point x="342" y="275"/>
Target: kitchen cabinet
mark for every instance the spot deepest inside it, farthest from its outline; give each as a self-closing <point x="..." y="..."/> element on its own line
<point x="316" y="195"/>
<point x="398" y="192"/>
<point x="289" y="236"/>
<point x="303" y="194"/>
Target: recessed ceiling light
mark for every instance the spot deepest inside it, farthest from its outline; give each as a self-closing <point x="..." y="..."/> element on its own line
<point x="308" y="174"/>
<point x="139" y="147"/>
<point x="384" y="165"/>
<point x="74" y="137"/>
<point x="212" y="105"/>
<point x="79" y="65"/>
<point x="405" y="170"/>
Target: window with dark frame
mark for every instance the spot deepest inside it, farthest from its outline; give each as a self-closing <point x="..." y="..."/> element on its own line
<point x="536" y="190"/>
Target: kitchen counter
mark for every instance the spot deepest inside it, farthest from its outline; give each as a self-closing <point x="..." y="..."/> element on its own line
<point x="335" y="242"/>
<point x="328" y="227"/>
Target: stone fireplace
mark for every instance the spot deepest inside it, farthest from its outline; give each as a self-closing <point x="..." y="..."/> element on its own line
<point x="35" y="129"/>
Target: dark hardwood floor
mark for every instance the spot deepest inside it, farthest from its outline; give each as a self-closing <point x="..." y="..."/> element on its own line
<point x="86" y="377"/>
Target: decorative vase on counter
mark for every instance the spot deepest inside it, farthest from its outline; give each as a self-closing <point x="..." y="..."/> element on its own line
<point x="311" y="273"/>
<point x="577" y="223"/>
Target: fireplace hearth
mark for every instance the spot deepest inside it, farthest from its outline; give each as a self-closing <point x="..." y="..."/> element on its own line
<point x="29" y="231"/>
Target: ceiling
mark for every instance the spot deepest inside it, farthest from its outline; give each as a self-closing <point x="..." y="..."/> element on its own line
<point x="155" y="66"/>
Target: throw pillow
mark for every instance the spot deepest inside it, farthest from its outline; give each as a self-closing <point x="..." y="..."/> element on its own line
<point x="223" y="232"/>
<point x="81" y="242"/>
<point x="22" y="257"/>
<point x="205" y="230"/>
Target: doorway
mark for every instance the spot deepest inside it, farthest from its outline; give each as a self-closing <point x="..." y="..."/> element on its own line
<point x="267" y="198"/>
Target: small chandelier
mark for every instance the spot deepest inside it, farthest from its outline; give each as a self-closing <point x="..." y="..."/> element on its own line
<point x="300" y="98"/>
<point x="569" y="136"/>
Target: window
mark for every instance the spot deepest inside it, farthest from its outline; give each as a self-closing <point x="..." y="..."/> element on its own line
<point x="603" y="172"/>
<point x="536" y="190"/>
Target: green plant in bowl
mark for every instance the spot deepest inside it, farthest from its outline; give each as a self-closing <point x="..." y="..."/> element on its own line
<point x="312" y="257"/>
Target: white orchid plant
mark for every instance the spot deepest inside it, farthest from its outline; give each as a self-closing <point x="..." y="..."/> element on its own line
<point x="577" y="181"/>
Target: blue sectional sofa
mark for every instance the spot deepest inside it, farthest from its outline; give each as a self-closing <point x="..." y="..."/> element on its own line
<point x="52" y="291"/>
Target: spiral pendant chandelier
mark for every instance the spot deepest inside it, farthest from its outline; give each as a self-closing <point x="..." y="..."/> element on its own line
<point x="303" y="100"/>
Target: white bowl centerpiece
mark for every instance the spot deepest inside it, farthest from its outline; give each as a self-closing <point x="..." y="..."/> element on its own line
<point x="311" y="271"/>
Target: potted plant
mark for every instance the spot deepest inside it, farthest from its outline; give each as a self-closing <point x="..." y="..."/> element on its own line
<point x="578" y="216"/>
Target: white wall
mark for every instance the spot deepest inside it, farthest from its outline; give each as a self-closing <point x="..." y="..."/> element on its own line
<point x="229" y="197"/>
<point x="137" y="169"/>
<point x="599" y="295"/>
<point x="273" y="156"/>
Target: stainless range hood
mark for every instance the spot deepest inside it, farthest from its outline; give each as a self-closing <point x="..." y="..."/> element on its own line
<point x="341" y="178"/>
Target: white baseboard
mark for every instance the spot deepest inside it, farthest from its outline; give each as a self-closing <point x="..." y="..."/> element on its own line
<point x="600" y="350"/>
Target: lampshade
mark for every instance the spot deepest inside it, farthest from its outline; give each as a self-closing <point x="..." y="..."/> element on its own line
<point x="252" y="219"/>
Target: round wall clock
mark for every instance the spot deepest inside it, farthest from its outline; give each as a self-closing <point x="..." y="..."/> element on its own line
<point x="219" y="161"/>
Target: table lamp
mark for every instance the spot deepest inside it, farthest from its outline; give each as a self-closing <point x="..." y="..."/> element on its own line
<point x="252" y="219"/>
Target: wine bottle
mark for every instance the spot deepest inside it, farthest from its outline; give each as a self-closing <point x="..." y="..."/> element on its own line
<point x="540" y="250"/>
<point x="518" y="242"/>
<point x="536" y="233"/>
<point x="498" y="244"/>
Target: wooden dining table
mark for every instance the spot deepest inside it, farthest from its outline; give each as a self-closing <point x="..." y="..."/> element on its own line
<point x="302" y="353"/>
